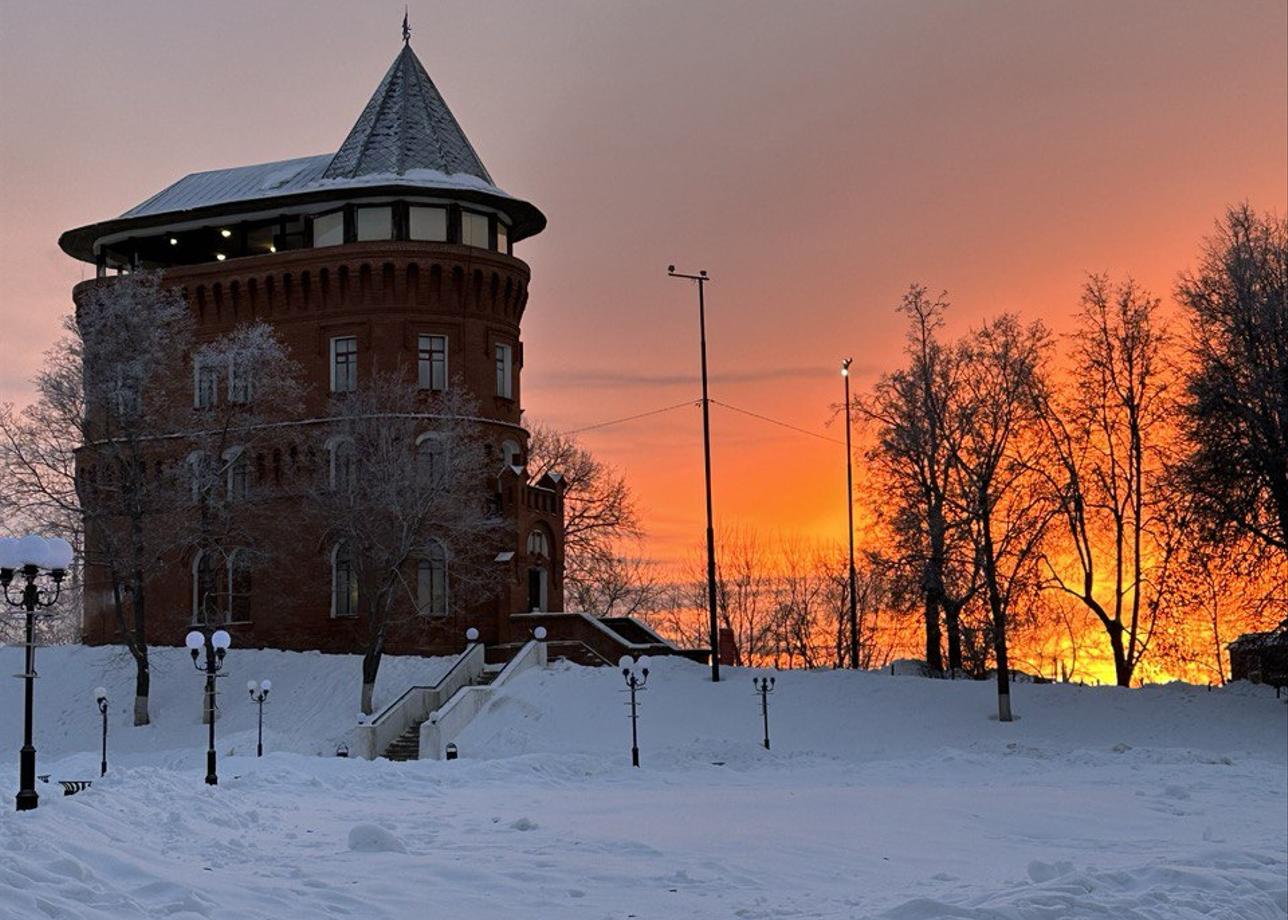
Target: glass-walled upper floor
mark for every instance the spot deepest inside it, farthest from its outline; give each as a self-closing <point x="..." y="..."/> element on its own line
<point x="327" y="225"/>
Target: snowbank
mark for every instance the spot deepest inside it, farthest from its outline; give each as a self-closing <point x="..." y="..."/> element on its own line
<point x="883" y="797"/>
<point x="312" y="708"/>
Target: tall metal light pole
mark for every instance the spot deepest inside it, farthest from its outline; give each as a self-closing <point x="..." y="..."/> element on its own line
<point x="31" y="557"/>
<point x="849" y="508"/>
<point x="702" y="279"/>
<point x="100" y="697"/>
<point x="216" y="645"/>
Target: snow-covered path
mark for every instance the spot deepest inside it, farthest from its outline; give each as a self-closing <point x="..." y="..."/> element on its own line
<point x="1165" y="803"/>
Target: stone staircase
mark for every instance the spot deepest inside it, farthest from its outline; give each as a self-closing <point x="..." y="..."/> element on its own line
<point x="407" y="745"/>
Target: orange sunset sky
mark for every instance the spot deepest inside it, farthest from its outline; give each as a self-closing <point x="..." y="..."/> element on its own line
<point x="814" y="157"/>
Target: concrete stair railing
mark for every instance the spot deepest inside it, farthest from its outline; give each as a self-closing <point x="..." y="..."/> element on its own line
<point x="450" y="720"/>
<point x="374" y="737"/>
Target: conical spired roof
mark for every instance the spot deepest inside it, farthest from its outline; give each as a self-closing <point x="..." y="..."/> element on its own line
<point x="406" y="126"/>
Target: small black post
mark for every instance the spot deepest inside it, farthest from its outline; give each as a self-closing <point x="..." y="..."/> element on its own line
<point x="764" y="686"/>
<point x="212" y="774"/>
<point x="101" y="695"/>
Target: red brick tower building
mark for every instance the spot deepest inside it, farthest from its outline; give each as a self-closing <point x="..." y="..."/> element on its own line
<point x="394" y="251"/>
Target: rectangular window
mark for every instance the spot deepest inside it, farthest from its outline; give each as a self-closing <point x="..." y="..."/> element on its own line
<point x="328" y="229"/>
<point x="344" y="364"/>
<point x="261" y="240"/>
<point x="504" y="372"/>
<point x="376" y="223"/>
<point x="502" y="238"/>
<point x="431" y="585"/>
<point x="240" y="390"/>
<point x="427" y="224"/>
<point x="474" y="229"/>
<point x="344" y="594"/>
<point x="431" y="362"/>
<point x="205" y="386"/>
<point x="291" y="234"/>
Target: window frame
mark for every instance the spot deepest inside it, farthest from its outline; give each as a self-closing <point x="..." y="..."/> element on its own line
<point x="350" y="363"/>
<point x="425" y="359"/>
<point x="433" y="563"/>
<point x="504" y="353"/>
<point x="327" y="215"/>
<point x="353" y="597"/>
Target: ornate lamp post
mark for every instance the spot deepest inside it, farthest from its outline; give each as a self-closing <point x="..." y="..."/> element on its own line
<point x="764" y="686"/>
<point x="31" y="556"/>
<point x="702" y="279"/>
<point x="216" y="645"/>
<point x="849" y="508"/>
<point x="100" y="697"/>
<point x="635" y="672"/>
<point x="259" y="693"/>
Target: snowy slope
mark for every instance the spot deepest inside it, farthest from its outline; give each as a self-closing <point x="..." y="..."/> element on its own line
<point x="883" y="797"/>
<point x="312" y="707"/>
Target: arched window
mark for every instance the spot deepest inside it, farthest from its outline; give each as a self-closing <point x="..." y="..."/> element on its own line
<point x="431" y="581"/>
<point x="538" y="543"/>
<point x="237" y="473"/>
<point x="205" y="596"/>
<point x="342" y="464"/>
<point x="431" y="459"/>
<point x="239" y="586"/>
<point x="198" y="469"/>
<point x="511" y="453"/>
<point x="344" y="583"/>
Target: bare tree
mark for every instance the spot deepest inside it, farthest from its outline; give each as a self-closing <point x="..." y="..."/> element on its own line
<point x="1225" y="590"/>
<point x="404" y="482"/>
<point x="993" y="452"/>
<point x="917" y="413"/>
<point x="1111" y="436"/>
<point x="109" y="387"/>
<point x="600" y="518"/>
<point x="1236" y="400"/>
<point x="243" y="383"/>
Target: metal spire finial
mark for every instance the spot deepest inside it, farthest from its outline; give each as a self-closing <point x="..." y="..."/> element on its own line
<point x="406" y="28"/>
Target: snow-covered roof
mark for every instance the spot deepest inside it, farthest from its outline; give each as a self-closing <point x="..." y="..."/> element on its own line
<point x="285" y="177"/>
<point x="405" y="139"/>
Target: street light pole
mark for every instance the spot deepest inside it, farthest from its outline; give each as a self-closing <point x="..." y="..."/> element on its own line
<point x="216" y="646"/>
<point x="635" y="673"/>
<point x="764" y="686"/>
<point x="31" y="556"/>
<point x="702" y="279"/>
<point x="258" y="694"/>
<point x="849" y="508"/>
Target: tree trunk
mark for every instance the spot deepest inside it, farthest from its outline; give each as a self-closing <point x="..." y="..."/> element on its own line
<point x="142" y="684"/>
<point x="952" y="620"/>
<point x="1122" y="667"/>
<point x="998" y="610"/>
<point x="370" y="666"/>
<point x="934" y="655"/>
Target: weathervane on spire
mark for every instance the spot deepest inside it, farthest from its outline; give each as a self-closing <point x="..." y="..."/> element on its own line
<point x="406" y="28"/>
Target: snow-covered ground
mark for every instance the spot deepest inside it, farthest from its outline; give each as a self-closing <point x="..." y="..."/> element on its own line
<point x="890" y="797"/>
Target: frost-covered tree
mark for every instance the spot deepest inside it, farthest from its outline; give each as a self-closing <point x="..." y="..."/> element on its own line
<point x="601" y="523"/>
<point x="403" y="480"/>
<point x="116" y="380"/>
<point x="1235" y="407"/>
<point x="994" y="452"/>
<point x="917" y="413"/>
<point x="243" y="383"/>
